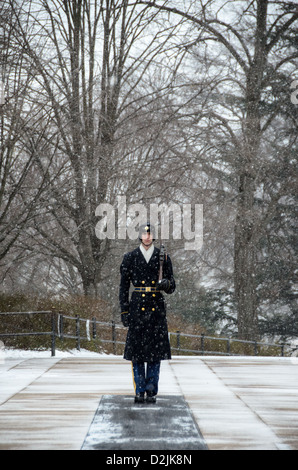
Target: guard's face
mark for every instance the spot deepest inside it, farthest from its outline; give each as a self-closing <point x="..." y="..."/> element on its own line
<point x="147" y="238"/>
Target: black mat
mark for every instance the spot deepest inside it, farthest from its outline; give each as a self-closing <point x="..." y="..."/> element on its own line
<point x="120" y="424"/>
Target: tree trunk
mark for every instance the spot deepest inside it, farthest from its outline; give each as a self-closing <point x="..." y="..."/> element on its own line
<point x="245" y="262"/>
<point x="245" y="248"/>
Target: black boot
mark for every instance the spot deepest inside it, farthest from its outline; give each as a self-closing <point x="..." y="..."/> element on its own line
<point x="150" y="398"/>
<point x="139" y="398"/>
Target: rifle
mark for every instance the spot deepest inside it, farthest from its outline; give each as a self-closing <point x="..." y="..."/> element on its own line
<point x="162" y="256"/>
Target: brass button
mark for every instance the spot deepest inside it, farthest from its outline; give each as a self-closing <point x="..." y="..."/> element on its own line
<point x="143" y="295"/>
<point x="143" y="282"/>
<point x="153" y="295"/>
<point x="153" y="310"/>
<point x="153" y="282"/>
<point x="143" y="308"/>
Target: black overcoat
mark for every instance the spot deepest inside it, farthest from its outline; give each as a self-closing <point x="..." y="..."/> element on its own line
<point x="147" y="338"/>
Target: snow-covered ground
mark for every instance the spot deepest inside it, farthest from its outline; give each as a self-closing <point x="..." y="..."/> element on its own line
<point x="6" y="354"/>
<point x="238" y="402"/>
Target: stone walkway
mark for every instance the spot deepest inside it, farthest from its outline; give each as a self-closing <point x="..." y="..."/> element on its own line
<point x="237" y="403"/>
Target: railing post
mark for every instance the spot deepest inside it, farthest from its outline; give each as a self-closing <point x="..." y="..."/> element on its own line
<point x="203" y="344"/>
<point x="93" y="327"/>
<point x="53" y="334"/>
<point x="114" y="337"/>
<point x="78" y="332"/>
<point x="178" y="342"/>
<point x="61" y="318"/>
<point x="228" y="346"/>
<point x="256" y="348"/>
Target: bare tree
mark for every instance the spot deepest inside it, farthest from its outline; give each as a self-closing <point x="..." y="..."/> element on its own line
<point x="89" y="60"/>
<point x="19" y="190"/>
<point x="250" y="42"/>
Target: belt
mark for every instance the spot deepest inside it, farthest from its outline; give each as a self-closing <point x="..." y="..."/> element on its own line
<point x="146" y="289"/>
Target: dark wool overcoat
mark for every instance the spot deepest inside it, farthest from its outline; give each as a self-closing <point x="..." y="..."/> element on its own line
<point x="147" y="338"/>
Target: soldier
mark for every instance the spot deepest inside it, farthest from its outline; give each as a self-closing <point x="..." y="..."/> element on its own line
<point x="145" y="314"/>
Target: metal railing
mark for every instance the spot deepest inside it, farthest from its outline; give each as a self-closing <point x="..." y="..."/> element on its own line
<point x="256" y="345"/>
<point x="56" y="329"/>
<point x="90" y="330"/>
<point x="86" y="329"/>
<point x="51" y="333"/>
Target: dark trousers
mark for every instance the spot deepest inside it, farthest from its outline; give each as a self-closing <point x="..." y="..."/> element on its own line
<point x="146" y="380"/>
